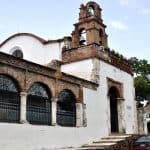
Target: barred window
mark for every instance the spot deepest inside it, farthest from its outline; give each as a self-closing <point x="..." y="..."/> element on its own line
<point x="39" y="104"/>
<point x="66" y="109"/>
<point x="9" y="100"/>
<point x="7" y="84"/>
<point x="38" y="90"/>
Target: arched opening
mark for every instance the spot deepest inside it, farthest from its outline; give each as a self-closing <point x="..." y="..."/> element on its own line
<point x="83" y="40"/>
<point x="66" y="108"/>
<point x="91" y="11"/>
<point x="113" y="109"/>
<point x="39" y="104"/>
<point x="17" y="52"/>
<point x="9" y="100"/>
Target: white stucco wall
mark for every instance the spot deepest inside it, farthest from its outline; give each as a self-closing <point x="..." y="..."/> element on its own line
<point x="81" y="69"/>
<point x="32" y="137"/>
<point x="33" y="50"/>
<point x="36" y="137"/>
<point x="129" y="110"/>
<point x="129" y="114"/>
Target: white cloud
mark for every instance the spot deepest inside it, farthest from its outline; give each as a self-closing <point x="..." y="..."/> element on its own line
<point x="119" y="25"/>
<point x="144" y="11"/>
<point x="129" y="3"/>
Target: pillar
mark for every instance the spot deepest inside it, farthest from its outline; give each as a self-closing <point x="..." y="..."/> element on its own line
<point x="84" y="116"/>
<point x="54" y="111"/>
<point x="23" y="111"/>
<point x="79" y="114"/>
<point x="145" y="124"/>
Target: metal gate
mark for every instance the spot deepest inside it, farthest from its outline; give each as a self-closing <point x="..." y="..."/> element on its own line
<point x="9" y="100"/>
<point x="38" y="105"/>
<point x="66" y="118"/>
<point x="38" y="110"/>
<point x="66" y="109"/>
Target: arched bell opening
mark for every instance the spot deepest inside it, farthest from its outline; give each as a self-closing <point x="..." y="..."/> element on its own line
<point x="91" y="10"/>
<point x="83" y="37"/>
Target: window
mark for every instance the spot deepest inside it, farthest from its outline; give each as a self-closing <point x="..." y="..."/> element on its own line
<point x="66" y="109"/>
<point x="39" y="105"/>
<point x="83" y="37"/>
<point x="9" y="100"/>
<point x="18" y="53"/>
<point x="90" y="11"/>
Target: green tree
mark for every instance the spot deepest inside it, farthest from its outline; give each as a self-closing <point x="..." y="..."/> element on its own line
<point x="141" y="70"/>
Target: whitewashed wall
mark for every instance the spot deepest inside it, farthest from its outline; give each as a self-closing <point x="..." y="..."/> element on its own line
<point x="129" y="107"/>
<point x="81" y="69"/>
<point x="36" y="137"/>
<point x="85" y="68"/>
<point x="33" y="49"/>
<point x="31" y="137"/>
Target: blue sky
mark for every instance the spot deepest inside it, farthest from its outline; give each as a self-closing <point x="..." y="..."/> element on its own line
<point x="128" y="21"/>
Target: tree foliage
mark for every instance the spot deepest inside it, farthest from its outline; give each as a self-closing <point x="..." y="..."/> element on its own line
<point x="141" y="70"/>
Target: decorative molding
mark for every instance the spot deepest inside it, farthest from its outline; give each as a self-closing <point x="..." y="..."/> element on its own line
<point x="93" y="51"/>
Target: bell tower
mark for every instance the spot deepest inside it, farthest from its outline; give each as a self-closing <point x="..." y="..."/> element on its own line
<point x="87" y="40"/>
<point x="90" y="28"/>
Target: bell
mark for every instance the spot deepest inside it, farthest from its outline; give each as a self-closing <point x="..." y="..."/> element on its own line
<point x="82" y="40"/>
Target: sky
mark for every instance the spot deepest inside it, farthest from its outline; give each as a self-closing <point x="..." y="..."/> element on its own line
<point x="128" y="21"/>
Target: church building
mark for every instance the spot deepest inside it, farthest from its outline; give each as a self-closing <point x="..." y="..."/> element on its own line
<point x="64" y="92"/>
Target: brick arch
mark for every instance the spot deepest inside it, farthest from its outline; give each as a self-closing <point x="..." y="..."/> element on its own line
<point x="73" y="91"/>
<point x="92" y="3"/>
<point x="45" y="86"/>
<point x="15" y="79"/>
<point x="70" y="91"/>
<point x="96" y="8"/>
<point x="114" y="88"/>
<point x="43" y="80"/>
<point x="117" y="85"/>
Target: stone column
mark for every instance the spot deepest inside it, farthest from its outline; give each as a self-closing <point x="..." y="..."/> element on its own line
<point x="79" y="115"/>
<point x="145" y="124"/>
<point x="140" y="113"/>
<point x="54" y="110"/>
<point x="23" y="111"/>
<point x="84" y="116"/>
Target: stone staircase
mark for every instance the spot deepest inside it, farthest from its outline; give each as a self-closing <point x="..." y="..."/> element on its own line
<point x="113" y="142"/>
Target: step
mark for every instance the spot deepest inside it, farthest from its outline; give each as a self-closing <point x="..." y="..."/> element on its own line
<point x="92" y="148"/>
<point x="109" y="141"/>
<point x="117" y="137"/>
<point x="100" y="144"/>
